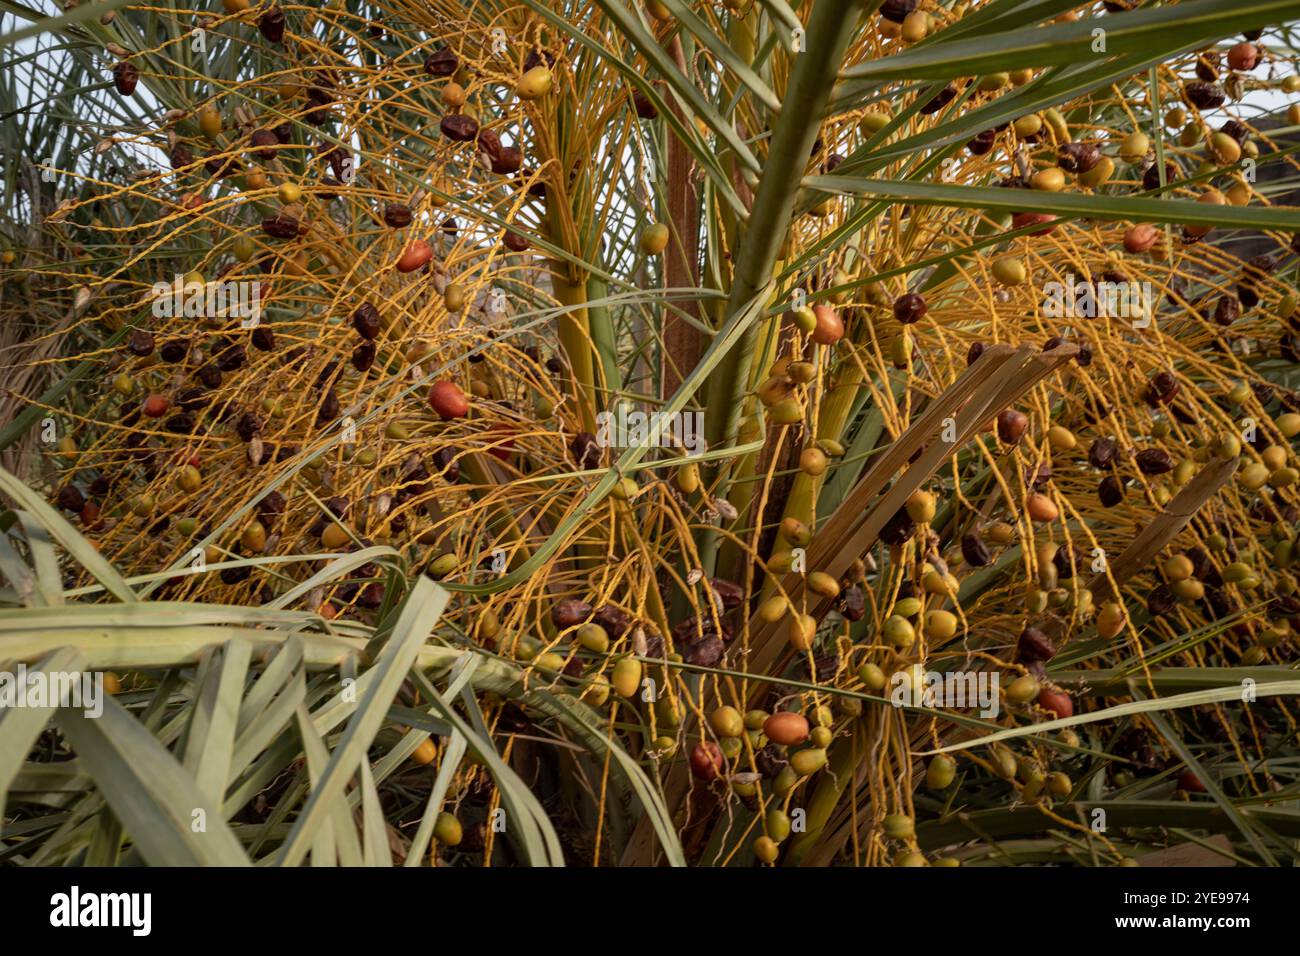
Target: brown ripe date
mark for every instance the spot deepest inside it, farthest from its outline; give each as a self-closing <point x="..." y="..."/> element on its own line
<point x="1034" y="645"/>
<point x="1078" y="158"/>
<point x="1011" y="425"/>
<point x="1110" y="492"/>
<point x="367" y="321"/>
<point x="910" y="308"/>
<point x="974" y="551"/>
<point x="271" y="24"/>
<point x="1102" y="452"/>
<point x="570" y="613"/>
<point x="441" y="63"/>
<point x="397" y="215"/>
<point x="125" y="77"/>
<point x="459" y="128"/>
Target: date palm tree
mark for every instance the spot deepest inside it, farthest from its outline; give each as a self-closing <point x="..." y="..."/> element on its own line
<point x="322" y="324"/>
